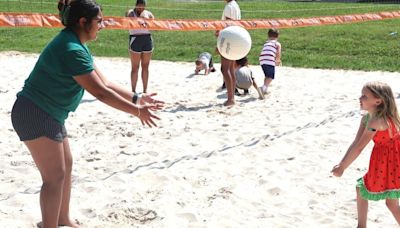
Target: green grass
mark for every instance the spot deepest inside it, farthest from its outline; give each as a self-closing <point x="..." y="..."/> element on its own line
<point x="358" y="46"/>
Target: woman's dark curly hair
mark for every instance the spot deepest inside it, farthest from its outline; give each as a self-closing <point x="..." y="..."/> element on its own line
<point x="72" y="10"/>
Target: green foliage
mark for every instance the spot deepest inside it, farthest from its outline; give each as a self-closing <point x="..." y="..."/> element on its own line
<point x="358" y="46"/>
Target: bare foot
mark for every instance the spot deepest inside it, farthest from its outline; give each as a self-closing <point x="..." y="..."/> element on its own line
<point x="229" y="102"/>
<point x="69" y="223"/>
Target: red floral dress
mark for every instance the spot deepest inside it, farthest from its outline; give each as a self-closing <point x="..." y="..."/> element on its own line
<point x="382" y="181"/>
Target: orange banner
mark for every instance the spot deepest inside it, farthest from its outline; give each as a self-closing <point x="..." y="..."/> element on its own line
<point x="124" y="23"/>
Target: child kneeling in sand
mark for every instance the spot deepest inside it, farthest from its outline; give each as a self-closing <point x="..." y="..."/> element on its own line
<point x="204" y="62"/>
<point x="244" y="78"/>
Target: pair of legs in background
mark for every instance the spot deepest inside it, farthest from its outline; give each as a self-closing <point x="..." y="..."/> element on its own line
<point x="140" y="52"/>
<point x="362" y="209"/>
<point x="140" y="60"/>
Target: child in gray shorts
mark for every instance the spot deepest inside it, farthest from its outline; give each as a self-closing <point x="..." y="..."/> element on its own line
<point x="244" y="78"/>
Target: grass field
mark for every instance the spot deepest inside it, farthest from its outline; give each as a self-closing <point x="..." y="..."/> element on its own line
<point x="359" y="46"/>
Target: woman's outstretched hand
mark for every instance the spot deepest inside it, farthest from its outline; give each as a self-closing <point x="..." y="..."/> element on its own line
<point x="145" y="115"/>
<point x="148" y="99"/>
<point x="337" y="170"/>
<point x="147" y="104"/>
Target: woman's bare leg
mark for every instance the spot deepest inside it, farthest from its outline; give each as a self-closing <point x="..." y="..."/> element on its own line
<point x="49" y="159"/>
<point x="230" y="85"/>
<point x="232" y="74"/>
<point x="64" y="218"/>
<point x="135" y="62"/>
<point x="146" y="57"/>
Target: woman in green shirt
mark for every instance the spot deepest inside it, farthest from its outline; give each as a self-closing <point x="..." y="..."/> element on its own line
<point x="55" y="87"/>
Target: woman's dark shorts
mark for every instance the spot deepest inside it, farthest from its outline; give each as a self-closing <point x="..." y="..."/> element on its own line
<point x="269" y="71"/>
<point x="141" y="43"/>
<point x="31" y="122"/>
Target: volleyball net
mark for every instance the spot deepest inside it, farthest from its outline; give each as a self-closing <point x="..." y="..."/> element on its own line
<point x="182" y="15"/>
<point x="182" y="29"/>
<point x="123" y="23"/>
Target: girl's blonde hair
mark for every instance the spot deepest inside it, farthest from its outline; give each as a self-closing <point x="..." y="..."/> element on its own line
<point x="387" y="109"/>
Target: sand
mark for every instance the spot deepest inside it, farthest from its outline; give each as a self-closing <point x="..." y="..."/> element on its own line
<point x="261" y="163"/>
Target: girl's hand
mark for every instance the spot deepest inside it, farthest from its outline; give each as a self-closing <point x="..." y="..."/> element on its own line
<point x="148" y="99"/>
<point x="337" y="170"/>
<point x="145" y="116"/>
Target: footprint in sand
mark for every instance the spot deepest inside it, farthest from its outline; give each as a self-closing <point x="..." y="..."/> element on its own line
<point x="90" y="213"/>
<point x="132" y="216"/>
<point x="327" y="221"/>
<point x="275" y="191"/>
<point x="153" y="153"/>
<point x="190" y="217"/>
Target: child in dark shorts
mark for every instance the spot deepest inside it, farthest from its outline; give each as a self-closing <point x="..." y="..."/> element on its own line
<point x="270" y="56"/>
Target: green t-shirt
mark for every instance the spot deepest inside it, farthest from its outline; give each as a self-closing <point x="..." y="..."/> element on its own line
<point x="51" y="85"/>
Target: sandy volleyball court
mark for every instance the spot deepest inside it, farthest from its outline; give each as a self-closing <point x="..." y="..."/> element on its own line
<point x="261" y="163"/>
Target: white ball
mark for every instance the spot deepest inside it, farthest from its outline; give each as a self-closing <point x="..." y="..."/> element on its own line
<point x="234" y="42"/>
<point x="146" y="14"/>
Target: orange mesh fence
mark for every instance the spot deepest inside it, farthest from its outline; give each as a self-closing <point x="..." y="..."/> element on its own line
<point x="124" y="23"/>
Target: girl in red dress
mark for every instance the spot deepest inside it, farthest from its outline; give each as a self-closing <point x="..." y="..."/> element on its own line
<point x="381" y="124"/>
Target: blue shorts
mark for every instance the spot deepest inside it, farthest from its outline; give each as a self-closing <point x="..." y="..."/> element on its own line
<point x="141" y="43"/>
<point x="269" y="71"/>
